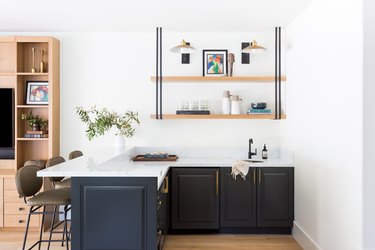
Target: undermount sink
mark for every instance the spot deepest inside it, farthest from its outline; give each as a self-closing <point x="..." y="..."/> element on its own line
<point x="254" y="161"/>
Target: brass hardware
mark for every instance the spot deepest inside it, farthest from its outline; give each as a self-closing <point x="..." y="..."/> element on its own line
<point x="254" y="176"/>
<point x="166" y="184"/>
<point x="217" y="182"/>
<point x="259" y="176"/>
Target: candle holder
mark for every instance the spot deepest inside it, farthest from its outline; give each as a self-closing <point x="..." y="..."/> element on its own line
<point x="33" y="70"/>
<point x="41" y="61"/>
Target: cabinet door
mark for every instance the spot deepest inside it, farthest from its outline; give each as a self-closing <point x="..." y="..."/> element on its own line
<point x="163" y="212"/>
<point x="195" y="198"/>
<point x="275" y="197"/>
<point x="238" y="199"/>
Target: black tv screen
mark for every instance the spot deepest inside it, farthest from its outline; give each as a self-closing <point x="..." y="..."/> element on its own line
<point x="7" y="118"/>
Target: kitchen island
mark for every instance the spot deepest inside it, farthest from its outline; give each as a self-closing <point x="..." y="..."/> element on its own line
<point x="120" y="204"/>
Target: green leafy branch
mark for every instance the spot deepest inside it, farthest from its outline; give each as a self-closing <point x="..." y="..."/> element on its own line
<point x="99" y="121"/>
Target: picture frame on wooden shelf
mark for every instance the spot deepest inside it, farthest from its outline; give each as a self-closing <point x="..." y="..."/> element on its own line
<point x="215" y="62"/>
<point x="37" y="92"/>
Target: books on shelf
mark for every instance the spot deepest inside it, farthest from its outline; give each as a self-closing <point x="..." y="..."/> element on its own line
<point x="38" y="132"/>
<point x="259" y="111"/>
<point x="36" y="135"/>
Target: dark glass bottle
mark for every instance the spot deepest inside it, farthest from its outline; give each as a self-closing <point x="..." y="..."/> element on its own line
<point x="264" y="152"/>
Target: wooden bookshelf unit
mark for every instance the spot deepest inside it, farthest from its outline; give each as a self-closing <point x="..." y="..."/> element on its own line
<point x="16" y="62"/>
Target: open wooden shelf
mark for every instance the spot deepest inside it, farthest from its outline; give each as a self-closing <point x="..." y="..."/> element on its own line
<point x="31" y="74"/>
<point x="32" y="106"/>
<point x="32" y="139"/>
<point x="220" y="116"/>
<point x="216" y="79"/>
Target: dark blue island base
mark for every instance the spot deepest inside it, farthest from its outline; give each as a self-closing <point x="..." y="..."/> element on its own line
<point x="114" y="213"/>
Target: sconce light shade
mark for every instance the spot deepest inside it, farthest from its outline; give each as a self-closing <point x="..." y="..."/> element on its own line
<point x="254" y="48"/>
<point x="183" y="48"/>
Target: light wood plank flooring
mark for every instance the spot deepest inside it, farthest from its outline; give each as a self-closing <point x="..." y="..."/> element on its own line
<point x="11" y="240"/>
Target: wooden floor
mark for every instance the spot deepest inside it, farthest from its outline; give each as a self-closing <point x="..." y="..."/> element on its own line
<point x="10" y="240"/>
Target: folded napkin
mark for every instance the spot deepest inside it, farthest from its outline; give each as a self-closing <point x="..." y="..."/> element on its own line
<point x="240" y="168"/>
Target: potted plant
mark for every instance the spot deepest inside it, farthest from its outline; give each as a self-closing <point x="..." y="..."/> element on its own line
<point x="35" y="122"/>
<point x="99" y="121"/>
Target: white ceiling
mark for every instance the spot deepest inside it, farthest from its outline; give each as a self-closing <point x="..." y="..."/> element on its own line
<point x="145" y="15"/>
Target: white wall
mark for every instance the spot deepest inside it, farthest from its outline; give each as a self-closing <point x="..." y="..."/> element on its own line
<point x="112" y="70"/>
<point x="368" y="127"/>
<point x="324" y="125"/>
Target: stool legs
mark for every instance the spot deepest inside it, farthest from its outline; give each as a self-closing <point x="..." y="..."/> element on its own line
<point x="41" y="228"/>
<point x="27" y="229"/>
<point x="52" y="225"/>
<point x="66" y="226"/>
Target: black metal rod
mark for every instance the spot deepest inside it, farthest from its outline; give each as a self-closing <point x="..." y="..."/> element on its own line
<point x="276" y="108"/>
<point x="279" y="72"/>
<point x="161" y="74"/>
<point x="157" y="73"/>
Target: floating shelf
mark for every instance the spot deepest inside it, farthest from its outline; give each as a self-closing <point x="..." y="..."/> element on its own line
<point x="31" y="74"/>
<point x="220" y="116"/>
<point x="32" y="106"/>
<point x="216" y="79"/>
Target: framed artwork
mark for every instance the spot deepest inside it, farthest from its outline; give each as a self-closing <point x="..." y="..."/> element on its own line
<point x="215" y="62"/>
<point x="36" y="92"/>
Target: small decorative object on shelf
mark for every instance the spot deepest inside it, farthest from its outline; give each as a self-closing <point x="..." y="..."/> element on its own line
<point x="41" y="61"/>
<point x="259" y="105"/>
<point x="194" y="107"/>
<point x="235" y="105"/>
<point x="259" y="108"/>
<point x="37" y="92"/>
<point x="231" y="60"/>
<point x="226" y="102"/>
<point x="37" y="125"/>
<point x="99" y="121"/>
<point x="215" y="62"/>
<point x="33" y="69"/>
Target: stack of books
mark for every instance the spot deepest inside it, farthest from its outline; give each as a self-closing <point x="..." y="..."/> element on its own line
<point x="36" y="134"/>
<point x="258" y="111"/>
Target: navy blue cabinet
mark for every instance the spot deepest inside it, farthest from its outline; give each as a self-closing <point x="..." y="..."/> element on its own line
<point x="263" y="201"/>
<point x="275" y="197"/>
<point x="195" y="198"/>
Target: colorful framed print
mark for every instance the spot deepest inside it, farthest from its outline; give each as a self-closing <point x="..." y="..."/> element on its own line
<point x="36" y="92"/>
<point x="215" y="62"/>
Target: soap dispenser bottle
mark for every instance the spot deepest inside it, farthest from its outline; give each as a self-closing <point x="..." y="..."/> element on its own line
<point x="264" y="152"/>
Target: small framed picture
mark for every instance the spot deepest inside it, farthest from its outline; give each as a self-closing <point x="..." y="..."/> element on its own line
<point x="36" y="92"/>
<point x="215" y="62"/>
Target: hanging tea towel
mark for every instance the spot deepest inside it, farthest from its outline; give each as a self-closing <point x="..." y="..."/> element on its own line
<point x="240" y="168"/>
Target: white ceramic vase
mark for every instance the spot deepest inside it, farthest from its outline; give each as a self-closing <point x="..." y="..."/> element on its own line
<point x="120" y="143"/>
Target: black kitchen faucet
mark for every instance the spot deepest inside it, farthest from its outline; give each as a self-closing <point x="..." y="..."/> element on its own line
<point x="251" y="153"/>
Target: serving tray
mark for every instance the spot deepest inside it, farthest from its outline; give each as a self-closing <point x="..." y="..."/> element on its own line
<point x="142" y="158"/>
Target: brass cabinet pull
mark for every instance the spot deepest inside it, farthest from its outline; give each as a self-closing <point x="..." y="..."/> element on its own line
<point x="259" y="176"/>
<point x="217" y="182"/>
<point x="158" y="204"/>
<point x="166" y="184"/>
<point x="254" y="176"/>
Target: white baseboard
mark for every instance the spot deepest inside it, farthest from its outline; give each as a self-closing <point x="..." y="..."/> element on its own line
<point x="303" y="238"/>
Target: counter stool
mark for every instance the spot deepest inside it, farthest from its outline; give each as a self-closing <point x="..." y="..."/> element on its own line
<point x="58" y="182"/>
<point x="75" y="154"/>
<point x="28" y="185"/>
<point x="40" y="163"/>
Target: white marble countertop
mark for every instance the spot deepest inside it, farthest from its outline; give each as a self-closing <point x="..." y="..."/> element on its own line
<point x="110" y="163"/>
